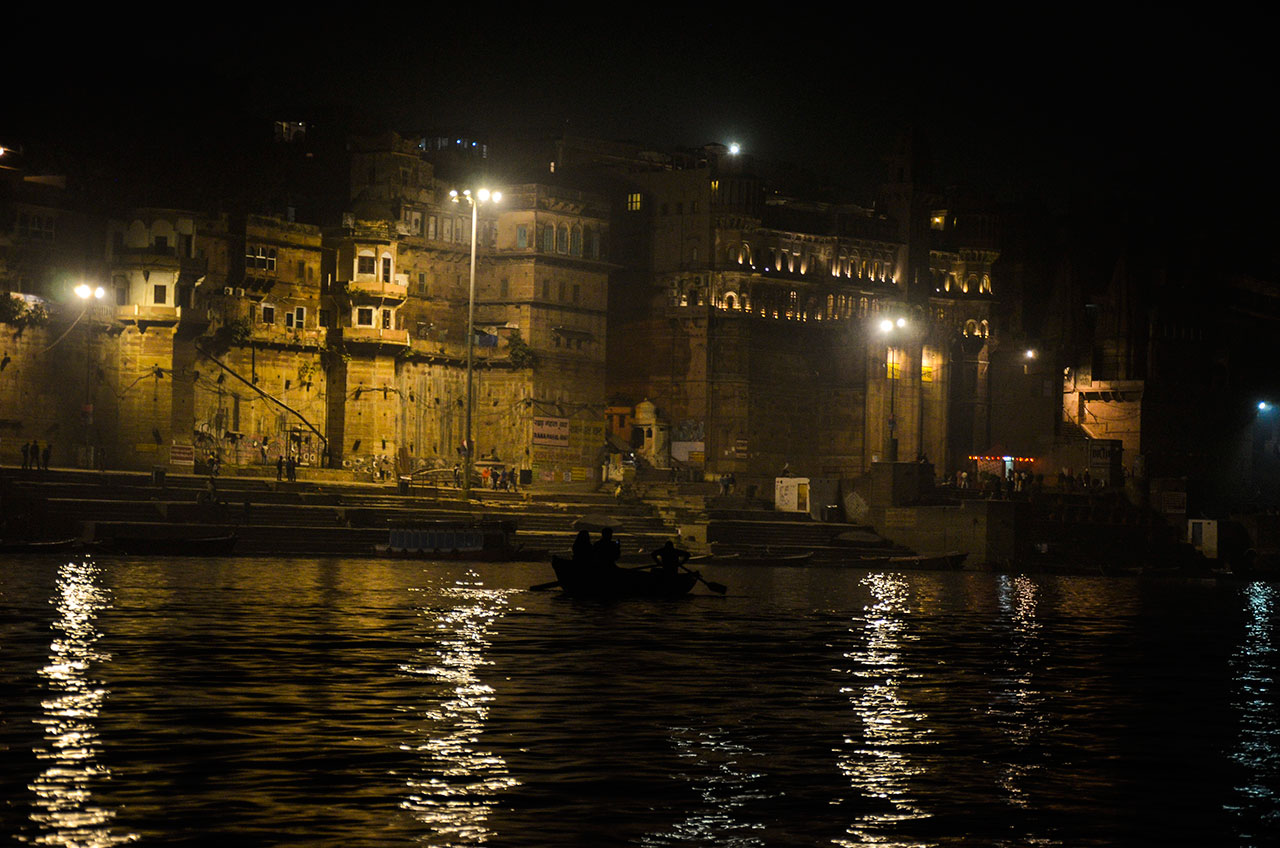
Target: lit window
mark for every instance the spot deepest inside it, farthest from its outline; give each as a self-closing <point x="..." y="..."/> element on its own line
<point x="633" y="202"/>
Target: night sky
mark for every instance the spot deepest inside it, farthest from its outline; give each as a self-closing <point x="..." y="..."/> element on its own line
<point x="1163" y="109"/>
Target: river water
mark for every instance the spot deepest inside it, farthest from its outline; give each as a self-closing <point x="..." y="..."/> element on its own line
<point x="366" y="702"/>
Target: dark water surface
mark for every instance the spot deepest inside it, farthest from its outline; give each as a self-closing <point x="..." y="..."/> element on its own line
<point x="351" y="702"/>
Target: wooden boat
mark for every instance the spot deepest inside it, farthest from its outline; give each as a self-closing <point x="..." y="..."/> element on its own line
<point x="762" y="557"/>
<point x="590" y="580"/>
<point x="928" y="562"/>
<point x="53" y="546"/>
<point x="222" y="545"/>
<point x="477" y="541"/>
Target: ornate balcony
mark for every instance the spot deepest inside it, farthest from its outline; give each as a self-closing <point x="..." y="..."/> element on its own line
<point x="371" y="286"/>
<point x="372" y="335"/>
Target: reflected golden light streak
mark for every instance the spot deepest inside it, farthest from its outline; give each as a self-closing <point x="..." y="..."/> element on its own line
<point x="1017" y="707"/>
<point x="460" y="783"/>
<point x="878" y="765"/>
<point x="63" y="811"/>
<point x="719" y="772"/>
<point x="1257" y="746"/>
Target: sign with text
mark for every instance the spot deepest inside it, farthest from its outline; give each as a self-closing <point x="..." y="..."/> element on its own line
<point x="182" y="454"/>
<point x="551" y="431"/>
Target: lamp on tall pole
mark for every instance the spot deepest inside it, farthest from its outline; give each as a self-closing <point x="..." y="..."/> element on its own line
<point x="88" y="295"/>
<point x="481" y="196"/>
<point x="889" y="328"/>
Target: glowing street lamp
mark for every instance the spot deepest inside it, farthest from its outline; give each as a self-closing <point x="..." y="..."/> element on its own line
<point x="88" y="295"/>
<point x="889" y="328"/>
<point x="481" y="196"/>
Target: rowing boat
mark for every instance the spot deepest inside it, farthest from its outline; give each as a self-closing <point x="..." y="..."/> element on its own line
<point x="590" y="580"/>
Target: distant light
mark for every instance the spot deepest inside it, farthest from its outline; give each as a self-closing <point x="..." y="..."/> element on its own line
<point x="496" y="197"/>
<point x="83" y="291"/>
<point x="1263" y="406"/>
<point x="902" y="322"/>
<point x="735" y="148"/>
<point x="886" y="325"/>
<point x="1030" y="354"/>
<point x="99" y="292"/>
<point x="483" y="194"/>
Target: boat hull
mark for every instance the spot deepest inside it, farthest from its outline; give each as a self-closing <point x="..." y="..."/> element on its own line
<point x="176" y="546"/>
<point x="589" y="580"/>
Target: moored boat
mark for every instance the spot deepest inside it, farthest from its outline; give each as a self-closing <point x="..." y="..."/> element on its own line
<point x="928" y="562"/>
<point x="27" y="546"/>
<point x="222" y="545"/>
<point x="587" y="579"/>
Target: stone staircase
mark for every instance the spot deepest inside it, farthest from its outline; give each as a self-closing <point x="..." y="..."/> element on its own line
<point x="748" y="532"/>
<point x="297" y="518"/>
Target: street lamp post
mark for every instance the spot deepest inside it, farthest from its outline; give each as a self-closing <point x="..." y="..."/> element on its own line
<point x="887" y="327"/>
<point x="481" y="196"/>
<point x="88" y="296"/>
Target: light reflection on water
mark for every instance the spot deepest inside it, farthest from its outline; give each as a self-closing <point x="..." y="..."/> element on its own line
<point x="1258" y="746"/>
<point x="725" y="776"/>
<point x="458" y="782"/>
<point x="356" y="702"/>
<point x="65" y="811"/>
<point x="879" y="764"/>
<point x="1018" y="701"/>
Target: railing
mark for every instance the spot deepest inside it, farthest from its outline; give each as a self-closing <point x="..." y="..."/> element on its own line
<point x="370" y="284"/>
<point x="374" y="334"/>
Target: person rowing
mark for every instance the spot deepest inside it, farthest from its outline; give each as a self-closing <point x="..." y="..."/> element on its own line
<point x="669" y="558"/>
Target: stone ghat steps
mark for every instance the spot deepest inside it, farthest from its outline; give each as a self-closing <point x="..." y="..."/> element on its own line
<point x="272" y="517"/>
<point x="291" y="540"/>
<point x="70" y="513"/>
<point x="793" y="533"/>
<point x="829" y="542"/>
<point x="262" y="491"/>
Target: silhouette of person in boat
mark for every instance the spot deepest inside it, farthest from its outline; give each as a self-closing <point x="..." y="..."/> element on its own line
<point x="582" y="547"/>
<point x="669" y="558"/>
<point x="606" y="551"/>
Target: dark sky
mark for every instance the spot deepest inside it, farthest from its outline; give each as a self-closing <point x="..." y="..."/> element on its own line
<point x="1174" y="107"/>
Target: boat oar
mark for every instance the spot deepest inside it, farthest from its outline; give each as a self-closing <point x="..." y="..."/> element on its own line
<point x="718" y="588"/>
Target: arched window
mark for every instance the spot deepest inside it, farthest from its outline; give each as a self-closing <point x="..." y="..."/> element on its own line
<point x="984" y="329"/>
<point x="971" y="328"/>
<point x="730" y="302"/>
<point x="575" y="242"/>
<point x="562" y="239"/>
<point x="986" y="284"/>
